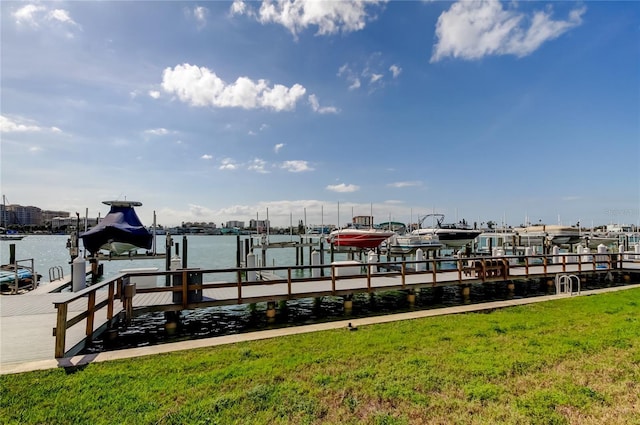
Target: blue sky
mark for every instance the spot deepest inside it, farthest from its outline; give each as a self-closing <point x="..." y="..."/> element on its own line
<point x="217" y="111"/>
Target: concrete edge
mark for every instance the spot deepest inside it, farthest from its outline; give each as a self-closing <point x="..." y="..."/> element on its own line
<point x="129" y="353"/>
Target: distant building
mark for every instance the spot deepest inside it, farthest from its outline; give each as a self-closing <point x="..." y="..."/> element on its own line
<point x="363" y="220"/>
<point x="259" y="225"/>
<point x="234" y="223"/>
<point x="48" y="216"/>
<point x="20" y="215"/>
<point x="64" y="222"/>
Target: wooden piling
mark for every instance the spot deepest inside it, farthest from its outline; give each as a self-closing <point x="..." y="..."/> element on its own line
<point x="411" y="297"/>
<point x="271" y="310"/>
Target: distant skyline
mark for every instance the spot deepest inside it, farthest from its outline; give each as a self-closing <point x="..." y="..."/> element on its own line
<point x="218" y="111"/>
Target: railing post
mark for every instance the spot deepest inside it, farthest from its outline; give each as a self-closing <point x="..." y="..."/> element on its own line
<point x="544" y="263"/>
<point x="185" y="292"/>
<point x="239" y="287"/>
<point x="579" y="257"/>
<point x="435" y="271"/>
<point x="91" y="306"/>
<point x="564" y="264"/>
<point x="110" y="300"/>
<point x="483" y="263"/>
<point x="333" y="278"/>
<point x="61" y="330"/>
<point x="505" y="265"/>
<point x="459" y="270"/>
<point x="526" y="265"/>
<point x="129" y="292"/>
<point x="289" y="281"/>
<point x="369" y="277"/>
<point x="404" y="271"/>
<point x="119" y="288"/>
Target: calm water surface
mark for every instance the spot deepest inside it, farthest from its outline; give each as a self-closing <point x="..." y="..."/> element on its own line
<point x="203" y="251"/>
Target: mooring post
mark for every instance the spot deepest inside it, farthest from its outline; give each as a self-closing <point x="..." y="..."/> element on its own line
<point x="12" y="253"/>
<point x="466" y="293"/>
<point x="271" y="310"/>
<point x="172" y="318"/>
<point x="411" y="297"/>
<point x="348" y="303"/>
<point x="184" y="251"/>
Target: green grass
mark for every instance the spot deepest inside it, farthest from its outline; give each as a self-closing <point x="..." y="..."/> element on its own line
<point x="569" y="361"/>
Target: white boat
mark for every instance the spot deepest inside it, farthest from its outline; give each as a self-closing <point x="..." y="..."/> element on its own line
<point x="409" y="243"/>
<point x="120" y="232"/>
<point x="595" y="239"/>
<point x="453" y="235"/>
<point x="359" y="237"/>
<point x="541" y="234"/>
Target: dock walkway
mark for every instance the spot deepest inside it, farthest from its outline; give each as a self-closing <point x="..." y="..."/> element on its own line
<point x="27" y="321"/>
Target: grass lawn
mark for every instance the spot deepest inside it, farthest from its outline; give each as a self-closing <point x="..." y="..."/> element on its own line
<point x="568" y="361"/>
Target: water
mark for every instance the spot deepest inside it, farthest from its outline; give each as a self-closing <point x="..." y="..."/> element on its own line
<point x="203" y="251"/>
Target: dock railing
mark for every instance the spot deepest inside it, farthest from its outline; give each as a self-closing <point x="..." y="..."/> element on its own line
<point x="117" y="295"/>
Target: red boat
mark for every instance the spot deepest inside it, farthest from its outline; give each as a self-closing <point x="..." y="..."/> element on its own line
<point x="359" y="238"/>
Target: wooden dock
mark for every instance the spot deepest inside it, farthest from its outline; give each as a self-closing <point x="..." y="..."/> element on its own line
<point x="75" y="318"/>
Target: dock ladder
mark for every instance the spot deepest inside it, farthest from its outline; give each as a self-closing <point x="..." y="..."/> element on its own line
<point x="55" y="273"/>
<point x="565" y="282"/>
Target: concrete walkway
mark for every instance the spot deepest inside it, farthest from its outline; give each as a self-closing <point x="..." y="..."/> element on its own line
<point x="18" y="367"/>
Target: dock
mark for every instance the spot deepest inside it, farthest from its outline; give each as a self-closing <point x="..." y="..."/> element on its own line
<point x="43" y="326"/>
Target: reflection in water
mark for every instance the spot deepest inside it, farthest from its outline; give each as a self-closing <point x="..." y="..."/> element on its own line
<point x="151" y="329"/>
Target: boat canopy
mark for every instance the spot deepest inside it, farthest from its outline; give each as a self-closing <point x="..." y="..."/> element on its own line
<point x="121" y="224"/>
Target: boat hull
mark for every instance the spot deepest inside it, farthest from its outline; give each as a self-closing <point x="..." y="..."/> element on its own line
<point x="451" y="238"/>
<point x="359" y="239"/>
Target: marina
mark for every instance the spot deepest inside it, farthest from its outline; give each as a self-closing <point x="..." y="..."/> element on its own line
<point x="97" y="296"/>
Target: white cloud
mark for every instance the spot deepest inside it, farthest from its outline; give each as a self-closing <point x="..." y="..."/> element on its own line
<point x="343" y="188"/>
<point x="35" y="149"/>
<point x="330" y="17"/>
<point x="296" y="166"/>
<point x="28" y="15"/>
<point x="61" y="15"/>
<point x="38" y="16"/>
<point x="351" y="77"/>
<point x="372" y="71"/>
<point x="315" y="105"/>
<point x="404" y="184"/>
<point x="199" y="86"/>
<point x="206" y="156"/>
<point x="228" y="164"/>
<point x="9" y="125"/>
<point x="154" y="94"/>
<point x="474" y="29"/>
<point x="239" y="7"/>
<point x="200" y="14"/>
<point x="258" y="165"/>
<point x="157" y="131"/>
<point x="278" y="147"/>
<point x="395" y="70"/>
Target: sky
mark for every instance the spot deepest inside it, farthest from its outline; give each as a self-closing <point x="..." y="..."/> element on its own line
<point x="318" y="111"/>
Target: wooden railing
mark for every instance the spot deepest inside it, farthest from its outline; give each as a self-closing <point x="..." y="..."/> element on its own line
<point x="436" y="272"/>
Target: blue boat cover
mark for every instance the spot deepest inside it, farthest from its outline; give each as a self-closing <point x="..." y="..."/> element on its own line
<point x="121" y="224"/>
